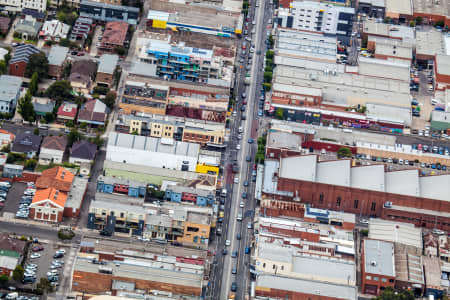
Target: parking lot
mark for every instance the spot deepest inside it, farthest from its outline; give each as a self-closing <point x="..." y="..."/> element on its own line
<point x="14" y="195"/>
<point x="44" y="262"/>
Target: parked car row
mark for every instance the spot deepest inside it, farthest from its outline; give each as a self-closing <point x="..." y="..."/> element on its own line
<point x="25" y="202"/>
<point x="53" y="273"/>
<point x="4" y="189"/>
<point x="433" y="149"/>
<point x="401" y="161"/>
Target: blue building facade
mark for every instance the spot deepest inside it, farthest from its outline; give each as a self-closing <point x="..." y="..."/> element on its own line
<point x="111" y="185"/>
<point x="198" y="197"/>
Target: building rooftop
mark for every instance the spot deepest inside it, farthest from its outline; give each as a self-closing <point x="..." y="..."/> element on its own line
<point x="372" y="177"/>
<point x="443" y="64"/>
<point x="57" y="55"/>
<point x="26" y="141"/>
<point x="372" y="27"/>
<point x="115" y="180"/>
<point x="9" y="87"/>
<point x="284" y="140"/>
<point x="52" y="194"/>
<point x="83" y="149"/>
<point x="437" y="8"/>
<point x="398" y="70"/>
<point x="151" y="144"/>
<point x="119" y="206"/>
<point x="378" y="3"/>
<point x="163" y="270"/>
<point x="402" y="233"/>
<point x="116" y="198"/>
<point x="110" y="6"/>
<point x="324" y="289"/>
<point x="23" y="53"/>
<point x="429" y="42"/>
<point x="379" y="258"/>
<point x="395" y="8"/>
<point x="191" y="190"/>
<point x="77" y="191"/>
<point x="391" y="113"/>
<point x="306" y="44"/>
<point x="115" y="33"/>
<point x="108" y="63"/>
<point x="55" y="142"/>
<point x="9" y="244"/>
<point x="397" y="51"/>
<point x="56" y="177"/>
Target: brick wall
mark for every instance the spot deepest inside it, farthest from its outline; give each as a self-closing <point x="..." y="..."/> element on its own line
<point x="17" y="69"/>
<point x="283" y="294"/>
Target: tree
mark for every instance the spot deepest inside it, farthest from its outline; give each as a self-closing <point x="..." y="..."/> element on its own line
<point x="97" y="141"/>
<point x="30" y="164"/>
<point x="3" y="280"/>
<point x="110" y="99"/>
<point x="120" y="50"/>
<point x="3" y="67"/>
<point x="60" y="90"/>
<point x="36" y="131"/>
<point x="344" y="152"/>
<point x="387" y="20"/>
<point x="390" y="294"/>
<point x="267" y="86"/>
<point x="26" y="108"/>
<point x="419" y="20"/>
<point x="37" y="62"/>
<point x="7" y="57"/>
<point x="268" y="76"/>
<point x="73" y="136"/>
<point x="49" y="117"/>
<point x="412" y="23"/>
<point x="33" y="86"/>
<point x="279" y="113"/>
<point x="102" y="90"/>
<point x="271" y="42"/>
<point x="439" y="23"/>
<point x="44" y="285"/>
<point x="66" y="70"/>
<point x="18" y="273"/>
<point x="269" y="54"/>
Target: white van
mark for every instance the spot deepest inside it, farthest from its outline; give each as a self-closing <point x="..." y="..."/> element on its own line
<point x="11" y="296"/>
<point x="434" y="101"/>
<point x="5" y="183"/>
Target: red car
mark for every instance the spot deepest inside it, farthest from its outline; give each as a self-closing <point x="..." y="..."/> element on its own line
<point x="37" y="248"/>
<point x="254" y="166"/>
<point x="80" y="54"/>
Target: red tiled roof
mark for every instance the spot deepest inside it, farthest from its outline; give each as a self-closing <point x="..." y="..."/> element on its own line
<point x="52" y="194"/>
<point x="55" y="142"/>
<point x="115" y="33"/>
<point x="57" y="177"/>
<point x="69" y="112"/>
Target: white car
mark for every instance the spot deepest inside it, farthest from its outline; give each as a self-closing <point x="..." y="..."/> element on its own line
<point x="238" y="147"/>
<point x="61" y="251"/>
<point x="227" y="243"/>
<point x="239" y="217"/>
<point x="241" y="205"/>
<point x="236" y="180"/>
<point x="35" y="255"/>
<point x="52" y="273"/>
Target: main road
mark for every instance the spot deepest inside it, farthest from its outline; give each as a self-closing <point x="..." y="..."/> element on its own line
<point x="236" y="227"/>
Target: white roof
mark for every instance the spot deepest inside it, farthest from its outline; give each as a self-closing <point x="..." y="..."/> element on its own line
<point x="395" y="232"/>
<point x="379" y="258"/>
<point x="335" y="172"/>
<point x="402" y="7"/>
<point x="55" y="28"/>
<point x="443" y="64"/>
<point x="299" y="167"/>
<point x="368" y="177"/>
<point x="403" y="182"/>
<point x="158" y="15"/>
<point x="435" y="187"/>
<point x="301" y="90"/>
<point x="383" y="112"/>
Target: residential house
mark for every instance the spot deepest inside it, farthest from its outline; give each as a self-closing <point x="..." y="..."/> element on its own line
<point x="56" y="59"/>
<point x="66" y="112"/>
<point x="114" y="36"/>
<point x="11" y="253"/>
<point x="9" y="93"/>
<point x="19" y="61"/>
<point x="52" y="150"/>
<point x="6" y="137"/>
<point x="108" y="12"/>
<point x="94" y="112"/>
<point x="28" y="28"/>
<point x="177" y="193"/>
<point x="81" y="29"/>
<point x="27" y="143"/>
<point x="43" y="106"/>
<point x="4" y="24"/>
<point x="121" y="186"/>
<point x="106" y="68"/>
<point x="12" y="171"/>
<point x="82" y="152"/>
<point x="82" y="74"/>
<point x="54" y="30"/>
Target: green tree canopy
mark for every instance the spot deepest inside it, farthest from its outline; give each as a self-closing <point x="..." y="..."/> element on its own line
<point x="344" y="152"/>
<point x="73" y="136"/>
<point x="390" y="294"/>
<point x="26" y="108"/>
<point x="60" y="90"/>
<point x="33" y="86"/>
<point x="279" y="113"/>
<point x="3" y="67"/>
<point x="110" y="99"/>
<point x="37" y="62"/>
<point x="18" y="273"/>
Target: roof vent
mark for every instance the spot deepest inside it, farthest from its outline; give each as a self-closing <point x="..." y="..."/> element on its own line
<point x="373" y="263"/>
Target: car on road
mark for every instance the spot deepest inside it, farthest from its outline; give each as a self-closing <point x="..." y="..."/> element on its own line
<point x="241" y="205"/>
<point x="227" y="243"/>
<point x="248" y="158"/>
<point x="35" y="255"/>
<point x="234" y="270"/>
<point x="236" y="180"/>
<point x="238" y="147"/>
<point x="225" y="252"/>
<point x="238" y="236"/>
<point x="364" y="221"/>
<point x="260" y="113"/>
<point x="234" y="254"/>
<point x="234" y="287"/>
<point x="239" y="217"/>
<point x="247" y="250"/>
<point x="244" y="195"/>
<point x="249" y="225"/>
<point x="246" y="183"/>
<point x="250" y="141"/>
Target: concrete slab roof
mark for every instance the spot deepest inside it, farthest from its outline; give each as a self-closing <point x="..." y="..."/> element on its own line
<point x="299" y="167"/>
<point x="395" y="232"/>
<point x="335" y="172"/>
<point x="368" y="177"/>
<point x="379" y="258"/>
<point x="404" y="182"/>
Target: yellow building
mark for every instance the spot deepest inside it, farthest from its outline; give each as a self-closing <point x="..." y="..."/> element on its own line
<point x="205" y="169"/>
<point x="136" y="126"/>
<point x="161" y="130"/>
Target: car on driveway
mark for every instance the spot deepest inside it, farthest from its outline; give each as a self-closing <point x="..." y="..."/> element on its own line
<point x="35" y="255"/>
<point x="37" y="248"/>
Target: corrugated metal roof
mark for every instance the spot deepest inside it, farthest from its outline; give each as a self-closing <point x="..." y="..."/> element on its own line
<point x="334" y="172"/>
<point x="368" y="178"/>
<point x="108" y="63"/>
